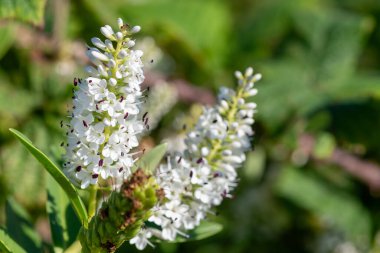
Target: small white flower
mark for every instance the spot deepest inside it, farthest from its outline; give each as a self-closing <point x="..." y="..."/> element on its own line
<point x="141" y="239"/>
<point x="87" y="177"/>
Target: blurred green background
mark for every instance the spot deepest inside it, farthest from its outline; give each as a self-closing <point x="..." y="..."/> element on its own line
<point x="312" y="182"/>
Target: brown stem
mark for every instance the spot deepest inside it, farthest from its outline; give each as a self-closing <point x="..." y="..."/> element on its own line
<point x="365" y="171"/>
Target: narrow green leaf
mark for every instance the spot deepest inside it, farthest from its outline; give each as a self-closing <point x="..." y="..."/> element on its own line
<point x="151" y="159"/>
<point x="8" y="245"/>
<point x="25" y="10"/>
<point x="57" y="174"/>
<point x="20" y="227"/>
<point x="204" y="230"/>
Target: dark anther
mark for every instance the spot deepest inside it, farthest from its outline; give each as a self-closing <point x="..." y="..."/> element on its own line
<point x="143" y="118"/>
<point x="100" y="162"/>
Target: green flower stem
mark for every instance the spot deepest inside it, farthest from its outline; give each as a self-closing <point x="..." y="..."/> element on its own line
<point x="217" y="145"/>
<point x="92" y="202"/>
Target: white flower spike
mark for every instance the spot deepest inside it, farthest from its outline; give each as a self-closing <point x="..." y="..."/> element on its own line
<point x="106" y="115"/>
<point x="205" y="174"/>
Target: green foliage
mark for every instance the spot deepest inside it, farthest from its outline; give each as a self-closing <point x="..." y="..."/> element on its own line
<point x="57" y="174"/>
<point x="152" y="158"/>
<point x="8" y="245"/>
<point x="320" y="61"/>
<point x="315" y="73"/>
<point x="25" y="10"/>
<point x="6" y="34"/>
<point x="64" y="225"/>
<point x="19" y="227"/>
<point x="334" y="208"/>
<point x="197" y="29"/>
<point x="204" y="230"/>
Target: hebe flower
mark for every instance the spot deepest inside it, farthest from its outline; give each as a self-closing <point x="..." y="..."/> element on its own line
<point x="201" y="177"/>
<point x="107" y="117"/>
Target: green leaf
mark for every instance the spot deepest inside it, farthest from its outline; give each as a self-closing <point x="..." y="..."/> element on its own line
<point x="57" y="174"/>
<point x="203" y="231"/>
<point x="8" y="245"/>
<point x="25" y="10"/>
<point x="20" y="227"/>
<point x="332" y="206"/>
<point x="201" y="27"/>
<point x="63" y="222"/>
<point x="314" y="74"/>
<point x="151" y="160"/>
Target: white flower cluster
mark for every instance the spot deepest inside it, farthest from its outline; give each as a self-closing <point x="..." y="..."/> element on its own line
<point x="106" y="116"/>
<point x="205" y="173"/>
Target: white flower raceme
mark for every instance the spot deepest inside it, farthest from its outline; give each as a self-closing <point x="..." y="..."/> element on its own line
<point x="106" y="117"/>
<point x="205" y="173"/>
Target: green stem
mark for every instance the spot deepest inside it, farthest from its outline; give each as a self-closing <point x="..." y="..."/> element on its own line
<point x="217" y="146"/>
<point x="92" y="202"/>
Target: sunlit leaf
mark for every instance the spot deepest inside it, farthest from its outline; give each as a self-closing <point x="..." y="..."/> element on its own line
<point x="8" y="245"/>
<point x="204" y="230"/>
<point x="152" y="158"/>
